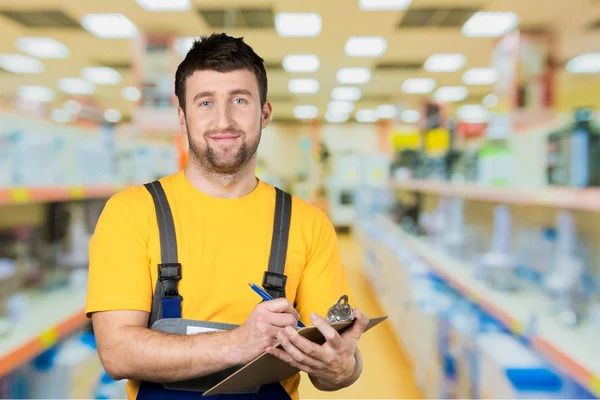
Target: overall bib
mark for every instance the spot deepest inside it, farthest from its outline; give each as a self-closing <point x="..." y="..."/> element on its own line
<point x="166" y="316"/>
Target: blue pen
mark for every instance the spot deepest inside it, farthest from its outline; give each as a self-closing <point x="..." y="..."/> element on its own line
<point x="266" y="296"/>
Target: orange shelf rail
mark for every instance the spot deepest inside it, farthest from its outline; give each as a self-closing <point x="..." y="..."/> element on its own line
<point x="24" y="195"/>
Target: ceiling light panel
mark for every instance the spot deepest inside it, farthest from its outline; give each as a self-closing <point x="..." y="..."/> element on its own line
<point x="112" y="115"/>
<point x="165" y="5"/>
<point x="21" y="64"/>
<point x="183" y="45"/>
<point x="490" y="24"/>
<point x="36" y="93"/>
<point x="383" y="5"/>
<point x="330" y="116"/>
<point x="42" y="47"/>
<point x="101" y="75"/>
<point x="301" y="63"/>
<point x="588" y="63"/>
<point x="418" y="85"/>
<point x="445" y="62"/>
<point x="76" y="86"/>
<point x="387" y="111"/>
<point x="448" y="94"/>
<point x="490" y="101"/>
<point x="303" y="85"/>
<point x="109" y="26"/>
<point x="410" y="116"/>
<point x="473" y="113"/>
<point x="306" y="112"/>
<point x="348" y="93"/>
<point x="340" y="107"/>
<point x="355" y="76"/>
<point x="131" y="93"/>
<point x="365" y="46"/>
<point x="480" y="76"/>
<point x="298" y="24"/>
<point x="366" y="116"/>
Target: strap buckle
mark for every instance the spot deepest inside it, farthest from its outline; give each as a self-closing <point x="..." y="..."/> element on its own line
<point x="274" y="282"/>
<point x="170" y="275"/>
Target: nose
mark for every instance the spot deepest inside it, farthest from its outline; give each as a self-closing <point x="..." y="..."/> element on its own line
<point x="224" y="117"/>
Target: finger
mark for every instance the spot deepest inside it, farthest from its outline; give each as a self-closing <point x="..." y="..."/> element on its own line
<point x="328" y="332"/>
<point x="280" y="320"/>
<point x="281" y="305"/>
<point x="296" y="353"/>
<point x="286" y="357"/>
<point x="359" y="325"/>
<point x="307" y="347"/>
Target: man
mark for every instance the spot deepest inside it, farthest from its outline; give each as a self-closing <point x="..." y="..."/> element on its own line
<point x="224" y="227"/>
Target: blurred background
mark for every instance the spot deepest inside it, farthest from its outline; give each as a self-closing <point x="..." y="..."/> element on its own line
<point x="454" y="144"/>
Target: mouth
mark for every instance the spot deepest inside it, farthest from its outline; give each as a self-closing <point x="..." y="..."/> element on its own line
<point x="223" y="138"/>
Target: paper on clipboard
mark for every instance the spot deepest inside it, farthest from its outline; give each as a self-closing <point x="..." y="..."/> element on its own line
<point x="269" y="369"/>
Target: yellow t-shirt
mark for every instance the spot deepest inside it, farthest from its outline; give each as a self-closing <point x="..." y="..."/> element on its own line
<point x="222" y="245"/>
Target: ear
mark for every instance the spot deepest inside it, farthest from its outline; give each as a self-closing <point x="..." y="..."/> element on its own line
<point x="182" y="121"/>
<point x="267" y="113"/>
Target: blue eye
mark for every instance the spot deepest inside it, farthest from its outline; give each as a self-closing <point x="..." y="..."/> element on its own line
<point x="205" y="104"/>
<point x="240" y="101"/>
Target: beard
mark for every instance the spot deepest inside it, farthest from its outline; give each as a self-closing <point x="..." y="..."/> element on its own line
<point x="224" y="161"/>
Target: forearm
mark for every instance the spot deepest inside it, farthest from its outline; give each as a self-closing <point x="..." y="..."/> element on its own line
<point x="329" y="386"/>
<point x="148" y="355"/>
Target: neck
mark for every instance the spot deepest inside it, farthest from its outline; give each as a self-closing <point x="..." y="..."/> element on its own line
<point x="224" y="186"/>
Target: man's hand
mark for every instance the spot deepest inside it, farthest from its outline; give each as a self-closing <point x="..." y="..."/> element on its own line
<point x="262" y="327"/>
<point x="331" y="366"/>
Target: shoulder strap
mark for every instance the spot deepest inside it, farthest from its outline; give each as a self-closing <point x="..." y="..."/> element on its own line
<point x="166" y="301"/>
<point x="274" y="279"/>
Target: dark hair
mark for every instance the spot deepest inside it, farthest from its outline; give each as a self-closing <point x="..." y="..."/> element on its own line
<point x="222" y="53"/>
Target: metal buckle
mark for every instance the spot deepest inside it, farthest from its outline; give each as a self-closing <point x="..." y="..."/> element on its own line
<point x="341" y="311"/>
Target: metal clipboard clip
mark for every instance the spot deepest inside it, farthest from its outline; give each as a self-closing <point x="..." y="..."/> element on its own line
<point x="341" y="311"/>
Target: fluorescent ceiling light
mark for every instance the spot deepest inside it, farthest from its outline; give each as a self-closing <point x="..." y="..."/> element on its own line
<point x="446" y="94"/>
<point x="490" y="24"/>
<point x="418" y="85"/>
<point x="112" y="115"/>
<point x="301" y="63"/>
<point x="588" y="63"/>
<point x="387" y="111"/>
<point x="131" y="93"/>
<point x="42" y="47"/>
<point x="303" y="85"/>
<point x="165" y="5"/>
<point x="348" y="93"/>
<point x="480" y="76"/>
<point x="36" y="93"/>
<point x="109" y="26"/>
<point x="298" y="24"/>
<point x="365" y="46"/>
<point x="101" y="75"/>
<point x="306" y="112"/>
<point x="490" y="101"/>
<point x="76" y="86"/>
<point x="410" y="116"/>
<point x="21" y="64"/>
<point x="366" y="116"/>
<point x="473" y="113"/>
<point x="340" y="107"/>
<point x="353" y="75"/>
<point x="445" y="62"/>
<point x="381" y="5"/>
<point x="336" y="117"/>
<point x="61" y="116"/>
<point x="183" y="45"/>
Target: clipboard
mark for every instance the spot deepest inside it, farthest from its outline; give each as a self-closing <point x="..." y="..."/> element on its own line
<point x="267" y="368"/>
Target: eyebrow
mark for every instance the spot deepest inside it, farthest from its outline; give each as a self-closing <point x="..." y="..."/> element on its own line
<point x="212" y="93"/>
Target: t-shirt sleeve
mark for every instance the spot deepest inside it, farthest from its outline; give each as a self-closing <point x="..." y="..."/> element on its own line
<point x="119" y="275"/>
<point x="324" y="278"/>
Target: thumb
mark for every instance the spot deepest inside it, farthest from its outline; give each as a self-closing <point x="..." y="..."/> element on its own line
<point x="359" y="325"/>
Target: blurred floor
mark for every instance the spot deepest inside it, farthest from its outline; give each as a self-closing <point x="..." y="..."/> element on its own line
<point x="387" y="374"/>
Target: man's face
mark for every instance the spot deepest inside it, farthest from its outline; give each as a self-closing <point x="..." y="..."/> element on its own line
<point x="223" y="119"/>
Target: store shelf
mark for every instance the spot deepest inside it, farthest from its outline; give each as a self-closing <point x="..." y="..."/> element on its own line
<point x="574" y="351"/>
<point x="50" y="318"/>
<point x="45" y="194"/>
<point x="576" y="199"/>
